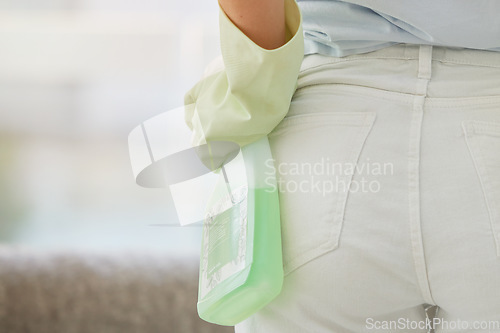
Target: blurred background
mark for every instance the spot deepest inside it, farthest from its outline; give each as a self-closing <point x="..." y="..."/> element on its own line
<point x="76" y="76"/>
<point x="82" y="247"/>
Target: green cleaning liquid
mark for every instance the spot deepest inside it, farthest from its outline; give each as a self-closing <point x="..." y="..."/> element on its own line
<point x="241" y="266"/>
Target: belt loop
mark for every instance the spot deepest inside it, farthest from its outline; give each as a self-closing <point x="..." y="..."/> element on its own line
<point x="425" y="62"/>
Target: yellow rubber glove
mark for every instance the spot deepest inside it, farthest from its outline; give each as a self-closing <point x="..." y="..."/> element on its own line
<point x="245" y="101"/>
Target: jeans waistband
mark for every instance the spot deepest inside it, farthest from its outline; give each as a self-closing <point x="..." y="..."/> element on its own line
<point x="411" y="52"/>
<point x="453" y="72"/>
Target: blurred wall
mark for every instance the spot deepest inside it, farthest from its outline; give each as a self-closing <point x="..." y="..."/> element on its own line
<point x="75" y="77"/>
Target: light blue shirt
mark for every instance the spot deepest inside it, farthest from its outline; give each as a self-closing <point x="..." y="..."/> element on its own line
<point x="340" y="28"/>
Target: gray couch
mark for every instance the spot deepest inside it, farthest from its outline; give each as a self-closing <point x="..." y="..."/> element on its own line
<point x="89" y="292"/>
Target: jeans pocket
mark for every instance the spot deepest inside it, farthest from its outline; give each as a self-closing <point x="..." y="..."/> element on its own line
<point x="483" y="140"/>
<point x="315" y="157"/>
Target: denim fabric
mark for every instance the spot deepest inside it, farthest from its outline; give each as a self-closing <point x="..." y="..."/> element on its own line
<point x="416" y="221"/>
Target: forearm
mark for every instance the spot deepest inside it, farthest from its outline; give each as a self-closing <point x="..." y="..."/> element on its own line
<point x="263" y="21"/>
<point x="246" y="98"/>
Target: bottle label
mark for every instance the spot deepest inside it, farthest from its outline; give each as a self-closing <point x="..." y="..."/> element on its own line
<point x="224" y="239"/>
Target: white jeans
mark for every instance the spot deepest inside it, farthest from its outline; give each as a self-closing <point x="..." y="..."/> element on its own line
<point x="417" y="221"/>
